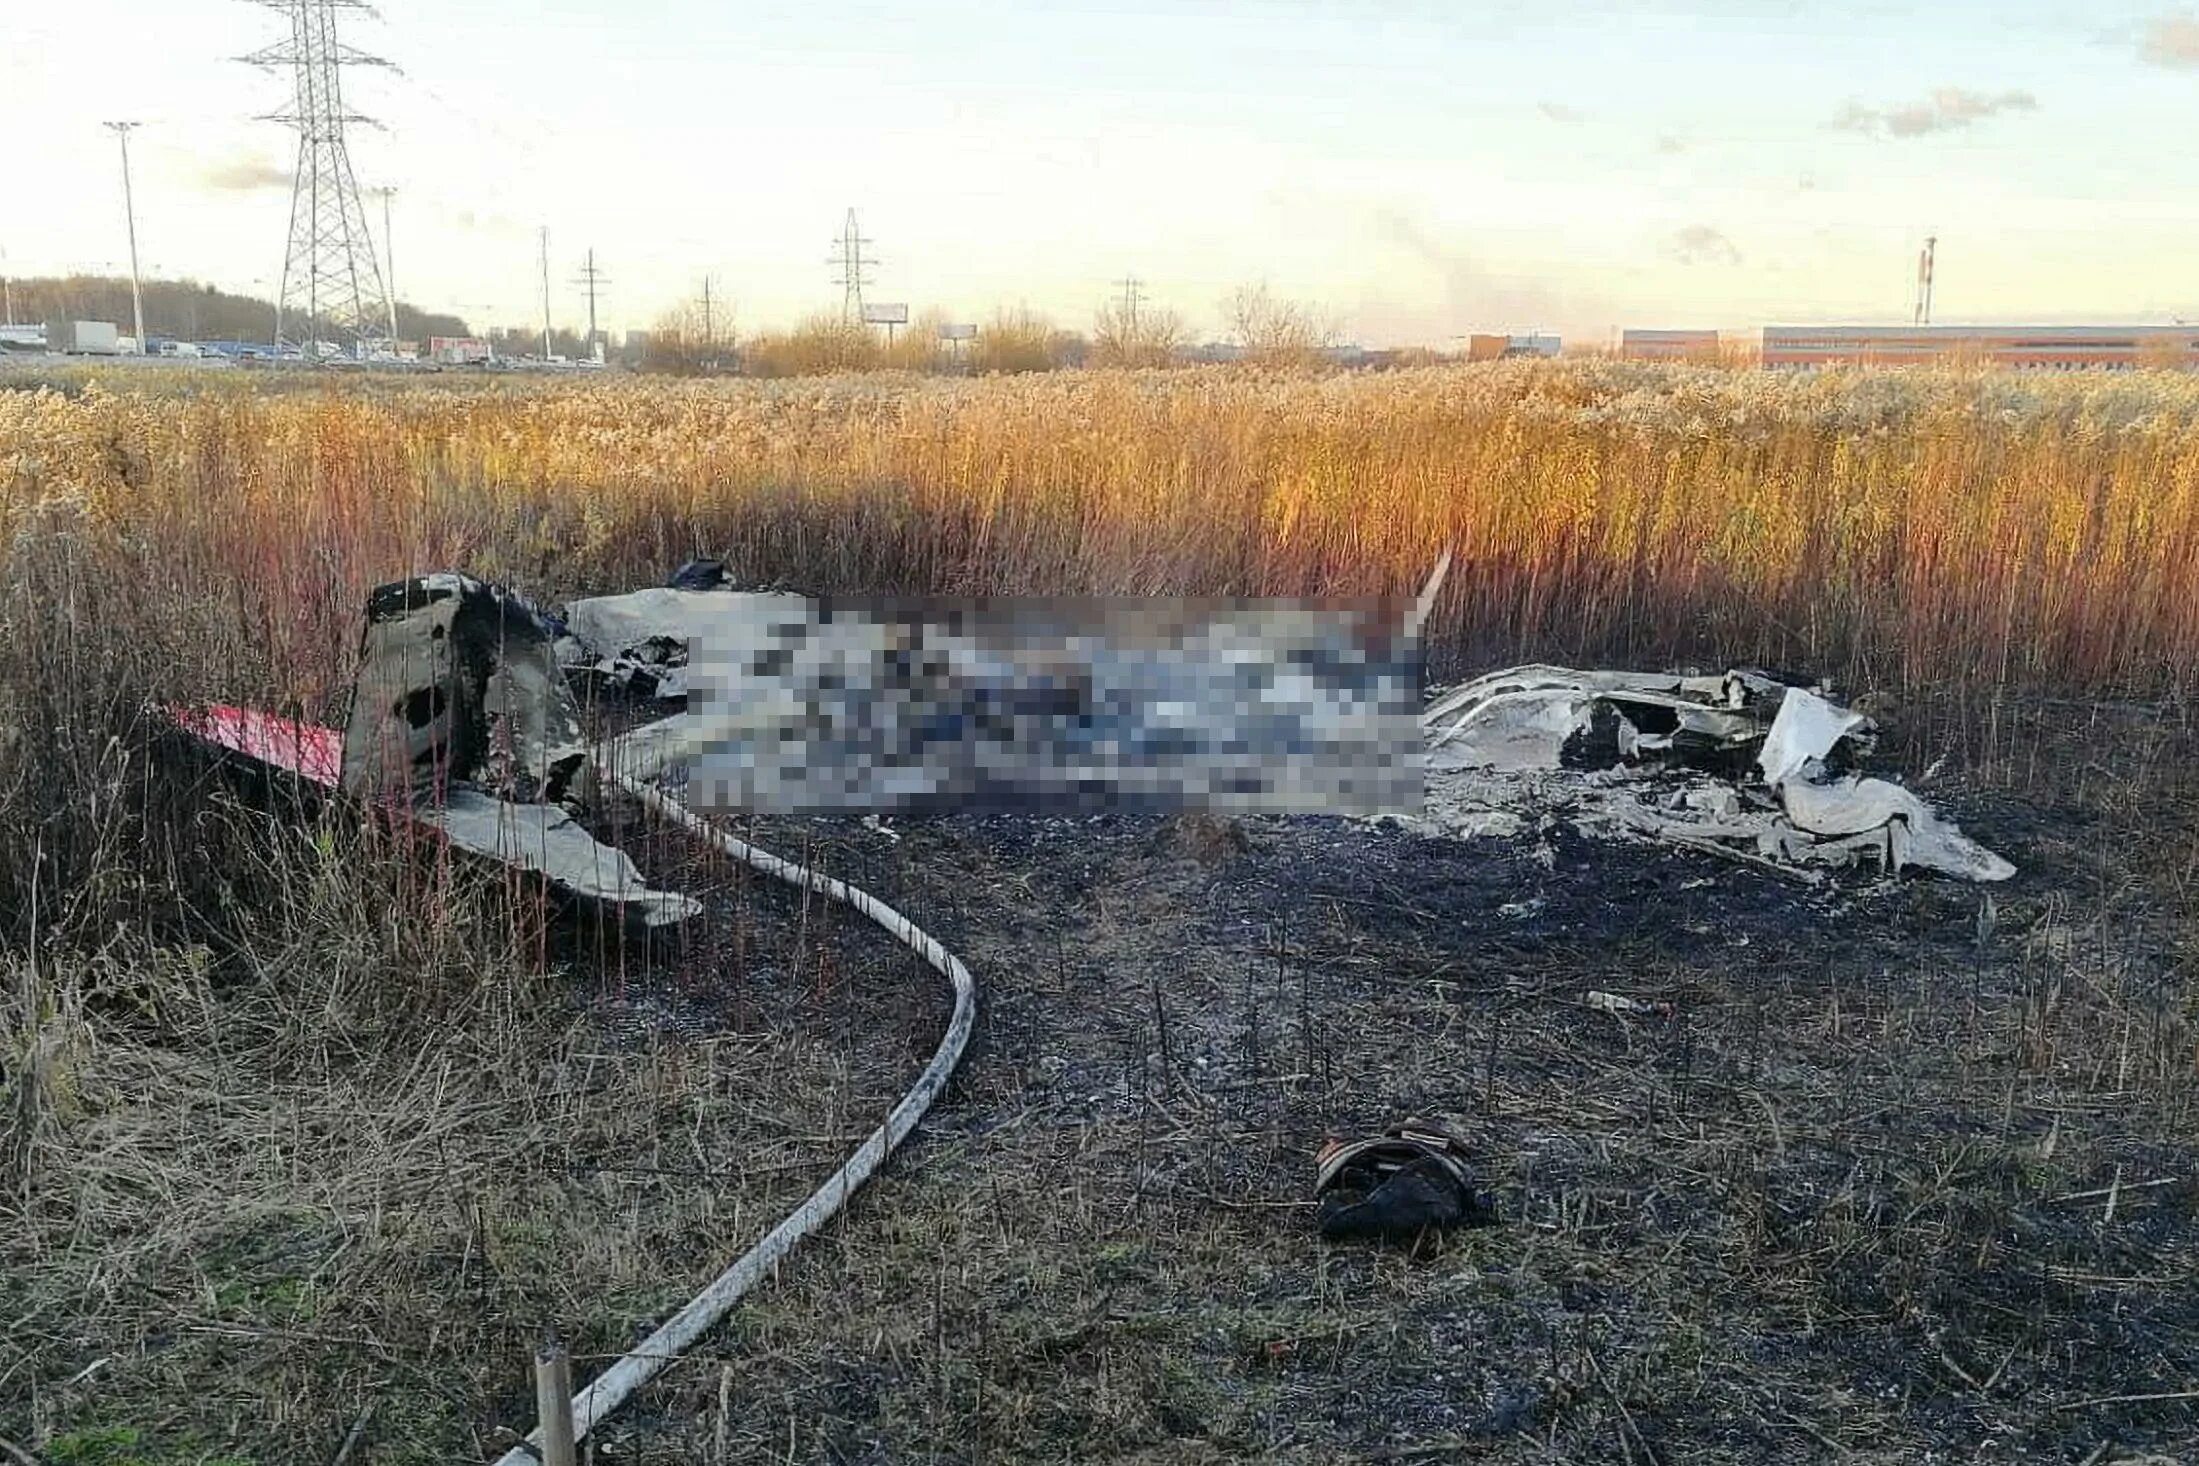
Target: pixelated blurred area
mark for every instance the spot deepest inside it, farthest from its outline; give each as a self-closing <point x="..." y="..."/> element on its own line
<point x="1150" y="704"/>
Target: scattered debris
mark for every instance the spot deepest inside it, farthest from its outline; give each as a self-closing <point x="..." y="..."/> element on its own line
<point x="548" y="841"/>
<point x="1740" y="765"/>
<point x="1397" y="1186"/>
<point x="304" y="751"/>
<point x="463" y="713"/>
<point x="640" y="641"/>
<point x="803" y="705"/>
<point x="1621" y="1004"/>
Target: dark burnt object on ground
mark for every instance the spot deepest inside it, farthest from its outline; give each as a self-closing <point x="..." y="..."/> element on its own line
<point x="701" y="574"/>
<point x="1397" y="1186"/>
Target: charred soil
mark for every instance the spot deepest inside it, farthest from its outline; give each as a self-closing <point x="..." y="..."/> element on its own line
<point x="1886" y="1169"/>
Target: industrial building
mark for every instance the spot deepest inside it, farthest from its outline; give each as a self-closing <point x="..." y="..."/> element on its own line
<point x="1689" y="345"/>
<point x="2014" y="348"/>
<point x="1480" y="347"/>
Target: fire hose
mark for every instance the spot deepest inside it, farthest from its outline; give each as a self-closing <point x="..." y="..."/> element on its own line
<point x="676" y="1335"/>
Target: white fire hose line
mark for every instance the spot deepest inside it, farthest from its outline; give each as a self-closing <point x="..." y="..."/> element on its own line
<point x="653" y="1355"/>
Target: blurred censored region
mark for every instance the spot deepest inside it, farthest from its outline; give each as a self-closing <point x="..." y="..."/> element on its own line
<point x="814" y="706"/>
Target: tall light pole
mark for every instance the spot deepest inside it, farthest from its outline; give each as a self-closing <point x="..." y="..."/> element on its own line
<point x="129" y="213"/>
<point x="389" y="258"/>
<point x="545" y="293"/>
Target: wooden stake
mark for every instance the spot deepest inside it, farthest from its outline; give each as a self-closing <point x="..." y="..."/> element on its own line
<point x="553" y="1397"/>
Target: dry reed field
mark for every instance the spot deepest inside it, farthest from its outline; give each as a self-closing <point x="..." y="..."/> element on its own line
<point x="303" y="1143"/>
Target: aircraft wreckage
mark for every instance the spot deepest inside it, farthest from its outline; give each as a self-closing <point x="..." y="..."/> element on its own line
<point x="464" y="723"/>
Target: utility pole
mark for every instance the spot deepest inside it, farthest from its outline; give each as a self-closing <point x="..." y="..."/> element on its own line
<point x="389" y="258"/>
<point x="1132" y="293"/>
<point x="709" y="323"/>
<point x="849" y="259"/>
<point x="129" y="213"/>
<point x="1924" y="263"/>
<point x="545" y="234"/>
<point x="591" y="279"/>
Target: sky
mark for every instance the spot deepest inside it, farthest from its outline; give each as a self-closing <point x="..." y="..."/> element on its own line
<point x="1414" y="169"/>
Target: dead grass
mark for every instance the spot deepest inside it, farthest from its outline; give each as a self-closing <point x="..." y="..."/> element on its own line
<point x="300" y="1132"/>
<point x="368" y="1161"/>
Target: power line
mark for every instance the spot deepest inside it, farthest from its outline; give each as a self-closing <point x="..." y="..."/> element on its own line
<point x="129" y="212"/>
<point x="328" y="260"/>
<point x="848" y="258"/>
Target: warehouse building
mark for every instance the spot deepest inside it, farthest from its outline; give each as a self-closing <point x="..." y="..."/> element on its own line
<point x="1481" y="347"/>
<point x="2016" y="348"/>
<point x="1668" y="345"/>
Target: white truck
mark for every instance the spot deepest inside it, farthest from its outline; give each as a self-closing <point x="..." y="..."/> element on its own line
<point x="84" y="338"/>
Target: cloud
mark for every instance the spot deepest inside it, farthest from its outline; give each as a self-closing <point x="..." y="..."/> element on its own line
<point x="244" y="175"/>
<point x="1558" y="111"/>
<point x="1945" y="110"/>
<point x="1699" y="244"/>
<point x="2172" y="40"/>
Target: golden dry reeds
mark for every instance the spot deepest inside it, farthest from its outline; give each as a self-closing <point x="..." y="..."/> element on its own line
<point x="1903" y="529"/>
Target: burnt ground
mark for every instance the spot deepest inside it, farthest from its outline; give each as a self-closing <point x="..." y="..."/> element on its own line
<point x="1905" y="1171"/>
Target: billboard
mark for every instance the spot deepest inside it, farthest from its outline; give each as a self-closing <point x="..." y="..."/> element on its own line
<point x="958" y="332"/>
<point x="886" y="314"/>
<point x="459" y="350"/>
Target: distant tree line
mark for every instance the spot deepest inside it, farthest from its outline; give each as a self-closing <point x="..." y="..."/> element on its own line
<point x="1262" y="329"/>
<point x="184" y="310"/>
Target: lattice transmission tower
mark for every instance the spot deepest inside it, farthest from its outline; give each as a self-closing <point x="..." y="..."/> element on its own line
<point x="332" y="289"/>
<point x="853" y="266"/>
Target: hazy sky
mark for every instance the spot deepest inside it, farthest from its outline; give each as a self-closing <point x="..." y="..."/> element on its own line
<point x="1421" y="169"/>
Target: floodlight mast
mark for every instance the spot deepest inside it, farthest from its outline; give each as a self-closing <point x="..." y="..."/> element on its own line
<point x="389" y="259"/>
<point x="129" y="212"/>
<point x="329" y="269"/>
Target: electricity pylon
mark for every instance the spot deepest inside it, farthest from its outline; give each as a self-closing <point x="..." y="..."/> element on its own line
<point x="330" y="280"/>
<point x="848" y="258"/>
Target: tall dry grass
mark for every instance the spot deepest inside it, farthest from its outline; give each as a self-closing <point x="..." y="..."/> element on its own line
<point x="194" y="537"/>
<point x="1907" y="529"/>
